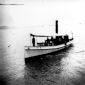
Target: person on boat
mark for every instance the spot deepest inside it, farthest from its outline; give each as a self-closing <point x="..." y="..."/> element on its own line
<point x="33" y="41"/>
<point x="66" y="39"/>
<point x="48" y="41"/>
<point x="52" y="41"/>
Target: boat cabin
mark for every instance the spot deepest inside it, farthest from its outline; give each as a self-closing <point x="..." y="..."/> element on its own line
<point x="50" y="40"/>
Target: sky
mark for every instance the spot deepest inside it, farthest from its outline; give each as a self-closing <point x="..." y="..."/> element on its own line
<point x="43" y="13"/>
<point x="39" y="16"/>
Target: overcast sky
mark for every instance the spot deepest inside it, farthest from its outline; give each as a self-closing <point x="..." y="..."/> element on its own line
<point x="39" y="16"/>
<point x="69" y="13"/>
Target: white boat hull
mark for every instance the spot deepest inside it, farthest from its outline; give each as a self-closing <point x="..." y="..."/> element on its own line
<point x="36" y="51"/>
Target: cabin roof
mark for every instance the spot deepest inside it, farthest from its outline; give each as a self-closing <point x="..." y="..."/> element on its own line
<point x="35" y="35"/>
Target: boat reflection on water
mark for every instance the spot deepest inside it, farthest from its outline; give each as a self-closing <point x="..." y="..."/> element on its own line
<point x="62" y="68"/>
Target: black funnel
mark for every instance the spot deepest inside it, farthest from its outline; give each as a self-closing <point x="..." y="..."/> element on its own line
<point x="56" y="30"/>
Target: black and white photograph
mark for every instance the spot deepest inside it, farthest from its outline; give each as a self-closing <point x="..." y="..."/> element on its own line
<point x="42" y="42"/>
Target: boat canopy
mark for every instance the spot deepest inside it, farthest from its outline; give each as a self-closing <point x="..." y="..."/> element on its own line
<point x="45" y="35"/>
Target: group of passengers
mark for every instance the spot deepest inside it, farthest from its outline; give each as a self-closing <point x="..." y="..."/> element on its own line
<point x="54" y="41"/>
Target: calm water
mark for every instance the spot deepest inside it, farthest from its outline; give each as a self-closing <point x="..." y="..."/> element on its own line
<point x="11" y="62"/>
<point x="62" y="68"/>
